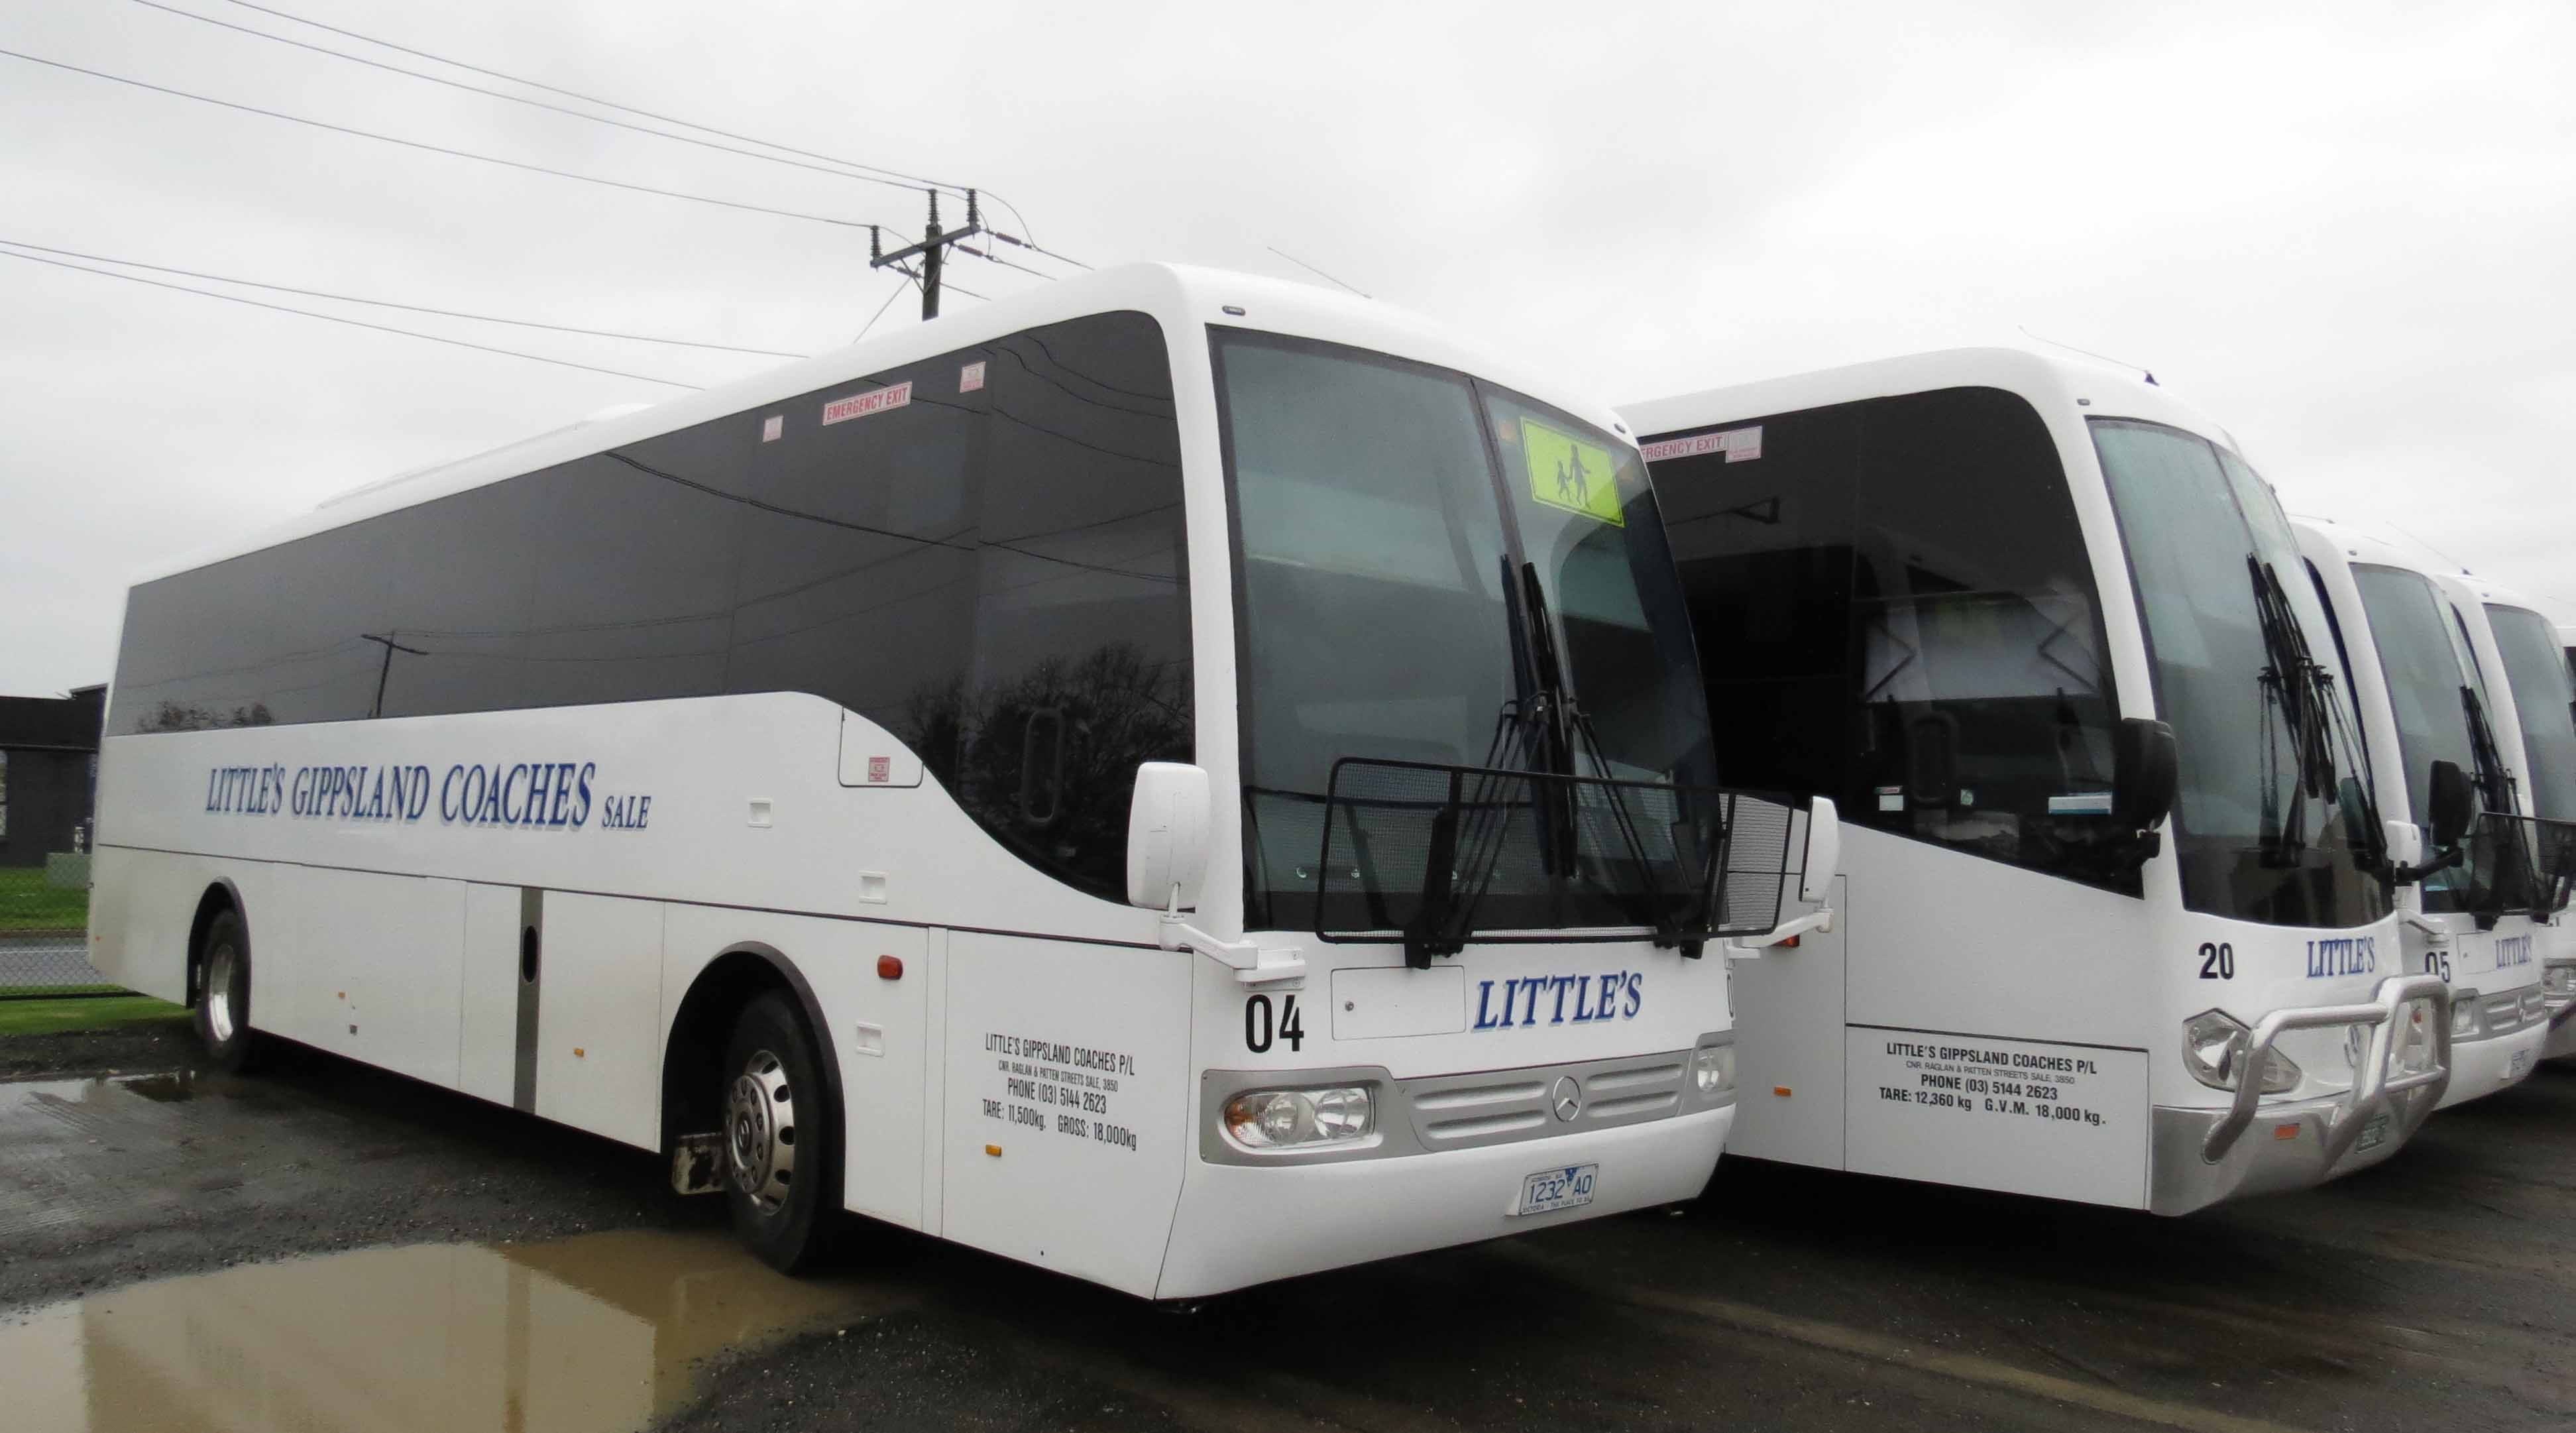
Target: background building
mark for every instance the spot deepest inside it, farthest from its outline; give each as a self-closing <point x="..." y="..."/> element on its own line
<point x="48" y="773"/>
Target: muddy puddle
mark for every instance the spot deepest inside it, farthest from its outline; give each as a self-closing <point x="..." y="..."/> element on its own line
<point x="597" y="1332"/>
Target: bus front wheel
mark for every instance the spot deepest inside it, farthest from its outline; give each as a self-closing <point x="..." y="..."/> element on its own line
<point x="779" y="1136"/>
<point x="223" y="994"/>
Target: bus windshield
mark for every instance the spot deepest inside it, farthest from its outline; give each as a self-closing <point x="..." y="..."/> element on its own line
<point x="2273" y="821"/>
<point x="2427" y="671"/>
<point x="1390" y="518"/>
<point x="2537" y="673"/>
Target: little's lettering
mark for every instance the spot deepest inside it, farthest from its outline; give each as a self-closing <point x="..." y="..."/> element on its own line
<point x="2343" y="955"/>
<point x="1562" y="999"/>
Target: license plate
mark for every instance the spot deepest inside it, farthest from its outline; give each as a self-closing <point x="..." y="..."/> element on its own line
<point x="1566" y="1188"/>
<point x="2374" y="1133"/>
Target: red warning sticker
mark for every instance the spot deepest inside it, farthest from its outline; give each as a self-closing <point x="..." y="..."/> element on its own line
<point x="970" y="377"/>
<point x="860" y="405"/>
<point x="880" y="768"/>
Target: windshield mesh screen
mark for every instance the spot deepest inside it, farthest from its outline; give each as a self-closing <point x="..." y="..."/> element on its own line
<point x="1436" y="854"/>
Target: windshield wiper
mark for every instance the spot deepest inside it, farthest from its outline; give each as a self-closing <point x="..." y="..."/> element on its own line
<point x="2291" y="679"/>
<point x="1568" y="732"/>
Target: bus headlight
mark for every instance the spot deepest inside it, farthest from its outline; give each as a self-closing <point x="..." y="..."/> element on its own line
<point x="1287" y="1119"/>
<point x="2356" y="1046"/>
<point x="2411" y="1053"/>
<point x="1713" y="1068"/>
<point x="2213" y="1049"/>
<point x="2464" y="1013"/>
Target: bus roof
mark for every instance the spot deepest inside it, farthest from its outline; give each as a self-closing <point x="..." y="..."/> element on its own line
<point x="1174" y="294"/>
<point x="2045" y="379"/>
<point x="2361" y="547"/>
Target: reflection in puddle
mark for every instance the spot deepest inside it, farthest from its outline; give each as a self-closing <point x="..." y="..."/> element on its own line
<point x="596" y="1332"/>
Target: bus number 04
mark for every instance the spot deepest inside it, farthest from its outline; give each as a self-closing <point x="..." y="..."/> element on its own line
<point x="1260" y="1027"/>
<point x="2217" y="961"/>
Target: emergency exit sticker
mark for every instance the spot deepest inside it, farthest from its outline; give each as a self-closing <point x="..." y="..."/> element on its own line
<point x="1740" y="445"/>
<point x="860" y="405"/>
<point x="1566" y="472"/>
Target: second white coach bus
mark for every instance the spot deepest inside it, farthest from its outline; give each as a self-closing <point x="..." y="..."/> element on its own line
<point x="2115" y="923"/>
<point x="2535" y="704"/>
<point x="2432" y="739"/>
<point x="1175" y="778"/>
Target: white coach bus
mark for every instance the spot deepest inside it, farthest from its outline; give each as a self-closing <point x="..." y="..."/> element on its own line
<point x="2115" y="913"/>
<point x="1175" y="778"/>
<point x="2428" y="724"/>
<point x="2535" y="722"/>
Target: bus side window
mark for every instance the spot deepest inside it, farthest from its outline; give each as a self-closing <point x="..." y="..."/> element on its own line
<point x="1080" y="595"/>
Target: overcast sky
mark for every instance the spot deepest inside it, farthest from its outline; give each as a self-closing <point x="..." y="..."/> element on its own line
<point x="2348" y="231"/>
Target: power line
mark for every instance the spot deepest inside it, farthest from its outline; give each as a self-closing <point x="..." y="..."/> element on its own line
<point x="1310" y="268"/>
<point x="437" y="148"/>
<point x="352" y="322"/>
<point x="523" y="99"/>
<point x="388" y="303"/>
<point x="874" y="169"/>
<point x="609" y="104"/>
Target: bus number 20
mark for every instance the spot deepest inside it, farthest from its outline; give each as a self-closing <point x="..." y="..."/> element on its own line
<point x="2217" y="961"/>
<point x="1261" y="1027"/>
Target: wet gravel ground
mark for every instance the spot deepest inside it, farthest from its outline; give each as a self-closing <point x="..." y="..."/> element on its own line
<point x="2437" y="1291"/>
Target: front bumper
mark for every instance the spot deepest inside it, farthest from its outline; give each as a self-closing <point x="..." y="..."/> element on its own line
<point x="2493" y="1062"/>
<point x="2199" y="1156"/>
<point x="1239" y="1224"/>
<point x="2561" y="1041"/>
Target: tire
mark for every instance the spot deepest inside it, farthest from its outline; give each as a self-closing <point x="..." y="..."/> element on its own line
<point x="223" y="995"/>
<point x="782" y="1136"/>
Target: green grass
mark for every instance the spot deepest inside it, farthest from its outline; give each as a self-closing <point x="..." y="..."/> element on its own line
<point x="27" y="903"/>
<point x="53" y="1017"/>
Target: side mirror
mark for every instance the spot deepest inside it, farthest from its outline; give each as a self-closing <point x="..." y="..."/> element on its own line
<point x="2454" y="802"/>
<point x="1824" y="857"/>
<point x="2144" y="773"/>
<point x="1167" y="835"/>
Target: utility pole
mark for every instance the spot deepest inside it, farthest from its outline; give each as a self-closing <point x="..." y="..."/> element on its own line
<point x="932" y="250"/>
<point x="387" y="670"/>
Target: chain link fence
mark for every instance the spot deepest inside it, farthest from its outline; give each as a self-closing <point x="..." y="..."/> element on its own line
<point x="44" y="929"/>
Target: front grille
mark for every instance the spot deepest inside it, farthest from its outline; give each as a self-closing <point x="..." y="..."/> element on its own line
<point x="2535" y="1003"/>
<point x="2502" y="1012"/>
<point x="1463" y="1111"/>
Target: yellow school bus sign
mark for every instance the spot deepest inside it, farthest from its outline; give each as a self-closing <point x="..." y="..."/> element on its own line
<point x="1566" y="472"/>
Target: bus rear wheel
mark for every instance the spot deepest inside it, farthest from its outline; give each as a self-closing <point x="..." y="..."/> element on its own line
<point x="223" y="995"/>
<point x="780" y="1136"/>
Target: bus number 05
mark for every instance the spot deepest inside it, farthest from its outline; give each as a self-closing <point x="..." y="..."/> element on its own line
<point x="2217" y="961"/>
<point x="1260" y="1027"/>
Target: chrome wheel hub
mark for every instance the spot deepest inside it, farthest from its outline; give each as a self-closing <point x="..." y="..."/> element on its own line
<point x="221" y="1020"/>
<point x="760" y="1132"/>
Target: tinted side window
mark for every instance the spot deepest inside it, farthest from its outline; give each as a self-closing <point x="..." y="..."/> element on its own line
<point x="1983" y="694"/>
<point x="1765" y="551"/>
<point x="1080" y="611"/>
<point x="859" y="553"/>
<point x="981" y="552"/>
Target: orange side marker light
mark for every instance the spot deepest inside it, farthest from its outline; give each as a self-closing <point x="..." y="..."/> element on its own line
<point x="1781" y="1090"/>
<point x="994" y="1150"/>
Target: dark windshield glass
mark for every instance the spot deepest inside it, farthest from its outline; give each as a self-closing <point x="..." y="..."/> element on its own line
<point x="1370" y="516"/>
<point x="2257" y="839"/>
<point x="2426" y="670"/>
<point x="2537" y="672"/>
<point x="1895" y="608"/>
